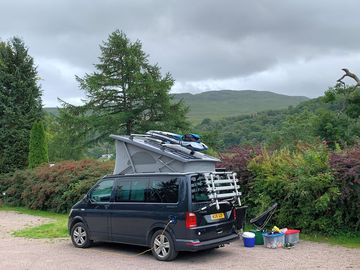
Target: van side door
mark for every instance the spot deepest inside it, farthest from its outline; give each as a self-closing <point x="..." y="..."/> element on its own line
<point x="97" y="213"/>
<point x="129" y="214"/>
<point x="141" y="203"/>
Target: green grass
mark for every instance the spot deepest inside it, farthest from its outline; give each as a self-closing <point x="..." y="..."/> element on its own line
<point x="351" y="240"/>
<point x="55" y="229"/>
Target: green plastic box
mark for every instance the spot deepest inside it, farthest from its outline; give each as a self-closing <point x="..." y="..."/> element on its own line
<point x="259" y="239"/>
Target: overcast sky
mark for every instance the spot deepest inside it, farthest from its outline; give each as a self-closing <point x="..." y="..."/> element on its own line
<point x="288" y="47"/>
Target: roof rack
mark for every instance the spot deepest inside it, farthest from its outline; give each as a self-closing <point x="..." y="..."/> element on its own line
<point x="140" y="153"/>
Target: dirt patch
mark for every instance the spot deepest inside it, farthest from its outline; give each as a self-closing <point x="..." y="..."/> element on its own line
<point x="13" y="221"/>
<point x="20" y="253"/>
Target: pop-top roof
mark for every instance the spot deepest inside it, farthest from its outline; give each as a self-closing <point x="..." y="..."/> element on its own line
<point x="141" y="154"/>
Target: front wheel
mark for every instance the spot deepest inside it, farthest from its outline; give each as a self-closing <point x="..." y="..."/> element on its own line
<point x="163" y="247"/>
<point x="80" y="236"/>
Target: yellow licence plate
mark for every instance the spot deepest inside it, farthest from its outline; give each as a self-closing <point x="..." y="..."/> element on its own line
<point x="217" y="216"/>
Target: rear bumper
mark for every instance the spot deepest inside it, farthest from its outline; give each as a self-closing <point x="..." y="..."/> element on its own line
<point x="191" y="245"/>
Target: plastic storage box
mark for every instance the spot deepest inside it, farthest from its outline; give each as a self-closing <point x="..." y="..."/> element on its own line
<point x="275" y="240"/>
<point x="292" y="236"/>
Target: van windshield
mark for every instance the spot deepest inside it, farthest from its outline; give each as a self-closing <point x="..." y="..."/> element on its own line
<point x="199" y="188"/>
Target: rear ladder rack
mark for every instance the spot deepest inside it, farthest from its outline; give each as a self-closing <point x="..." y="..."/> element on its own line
<point x="222" y="186"/>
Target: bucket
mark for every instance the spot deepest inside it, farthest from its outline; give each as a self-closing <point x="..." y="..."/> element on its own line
<point x="249" y="239"/>
<point x="259" y="239"/>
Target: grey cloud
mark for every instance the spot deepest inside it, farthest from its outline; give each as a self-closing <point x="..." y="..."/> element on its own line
<point x="200" y="42"/>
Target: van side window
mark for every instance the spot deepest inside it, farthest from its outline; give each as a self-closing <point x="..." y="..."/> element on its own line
<point x="138" y="188"/>
<point x="122" y="192"/>
<point x="164" y="190"/>
<point x="102" y="192"/>
<point x="131" y="190"/>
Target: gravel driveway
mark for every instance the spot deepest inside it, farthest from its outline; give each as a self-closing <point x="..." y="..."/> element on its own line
<point x="19" y="253"/>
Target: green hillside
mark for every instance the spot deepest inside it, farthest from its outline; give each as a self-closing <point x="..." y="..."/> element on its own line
<point x="216" y="105"/>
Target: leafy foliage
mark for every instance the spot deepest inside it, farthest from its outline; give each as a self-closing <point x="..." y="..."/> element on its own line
<point x="348" y="96"/>
<point x="54" y="188"/>
<point x="66" y="140"/>
<point x="302" y="183"/>
<point x="237" y="159"/>
<point x="20" y="103"/>
<point x="317" y="190"/>
<point x="346" y="168"/>
<point x="310" y="122"/>
<point x="38" y="149"/>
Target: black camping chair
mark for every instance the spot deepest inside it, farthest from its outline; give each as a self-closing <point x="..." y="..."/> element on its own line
<point x="240" y="217"/>
<point x="261" y="220"/>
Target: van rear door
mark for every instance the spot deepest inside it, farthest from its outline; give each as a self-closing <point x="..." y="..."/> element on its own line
<point x="211" y="222"/>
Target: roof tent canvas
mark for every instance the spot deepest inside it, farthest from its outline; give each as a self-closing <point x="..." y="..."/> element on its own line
<point x="136" y="154"/>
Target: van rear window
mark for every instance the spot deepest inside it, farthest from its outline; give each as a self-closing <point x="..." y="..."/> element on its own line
<point x="199" y="188"/>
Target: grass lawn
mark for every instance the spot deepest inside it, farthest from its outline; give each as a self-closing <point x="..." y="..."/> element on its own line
<point x="345" y="240"/>
<point x="54" y="229"/>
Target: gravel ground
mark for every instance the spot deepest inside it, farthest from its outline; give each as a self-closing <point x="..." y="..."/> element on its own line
<point x="19" y="253"/>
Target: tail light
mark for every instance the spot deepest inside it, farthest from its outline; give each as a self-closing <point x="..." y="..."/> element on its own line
<point x="190" y="220"/>
<point x="234" y="213"/>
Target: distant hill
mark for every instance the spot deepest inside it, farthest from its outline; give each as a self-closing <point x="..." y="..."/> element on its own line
<point x="52" y="110"/>
<point x="216" y="105"/>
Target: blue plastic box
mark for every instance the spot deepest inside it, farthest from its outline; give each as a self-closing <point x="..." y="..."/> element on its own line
<point x="275" y="240"/>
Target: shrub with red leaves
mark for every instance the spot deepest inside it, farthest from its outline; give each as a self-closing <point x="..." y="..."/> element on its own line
<point x="54" y="188"/>
<point x="237" y="159"/>
<point x="346" y="169"/>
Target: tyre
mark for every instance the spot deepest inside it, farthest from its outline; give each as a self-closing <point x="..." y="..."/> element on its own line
<point x="80" y="235"/>
<point x="163" y="248"/>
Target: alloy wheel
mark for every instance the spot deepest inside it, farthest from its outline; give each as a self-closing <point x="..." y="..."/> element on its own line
<point x="161" y="245"/>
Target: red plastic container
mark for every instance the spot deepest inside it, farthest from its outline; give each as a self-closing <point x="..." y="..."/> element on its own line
<point x="292" y="236"/>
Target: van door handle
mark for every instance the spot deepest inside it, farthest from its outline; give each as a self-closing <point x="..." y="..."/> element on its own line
<point x="107" y="206"/>
<point x="171" y="206"/>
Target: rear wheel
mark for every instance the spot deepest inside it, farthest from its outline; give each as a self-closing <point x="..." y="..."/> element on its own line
<point x="80" y="236"/>
<point x="163" y="247"/>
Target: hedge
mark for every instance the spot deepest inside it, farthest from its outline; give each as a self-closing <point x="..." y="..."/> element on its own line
<point x="54" y="188"/>
<point x="317" y="190"/>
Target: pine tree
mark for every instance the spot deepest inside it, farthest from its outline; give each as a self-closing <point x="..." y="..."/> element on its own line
<point x="126" y="94"/>
<point x="38" y="149"/>
<point x="20" y="103"/>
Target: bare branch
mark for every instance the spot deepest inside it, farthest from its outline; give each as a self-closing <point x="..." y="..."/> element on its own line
<point x="351" y="75"/>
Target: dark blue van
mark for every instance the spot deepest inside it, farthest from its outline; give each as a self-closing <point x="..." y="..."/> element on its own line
<point x="168" y="212"/>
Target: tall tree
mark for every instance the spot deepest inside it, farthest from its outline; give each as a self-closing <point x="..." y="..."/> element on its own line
<point x="20" y="103"/>
<point x="126" y="93"/>
<point x="38" y="149"/>
<point x="66" y="140"/>
<point x="348" y="95"/>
